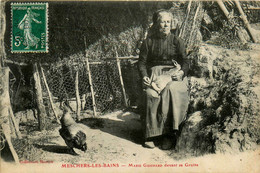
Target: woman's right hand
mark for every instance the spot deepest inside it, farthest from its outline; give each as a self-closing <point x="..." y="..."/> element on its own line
<point x="146" y="81"/>
<point x="178" y="76"/>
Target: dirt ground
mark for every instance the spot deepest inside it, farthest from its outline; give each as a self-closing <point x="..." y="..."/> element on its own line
<point x="114" y="144"/>
<point x="113" y="138"/>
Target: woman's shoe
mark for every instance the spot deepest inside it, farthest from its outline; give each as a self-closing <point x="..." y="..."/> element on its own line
<point x="174" y="136"/>
<point x="149" y="144"/>
<point x="166" y="143"/>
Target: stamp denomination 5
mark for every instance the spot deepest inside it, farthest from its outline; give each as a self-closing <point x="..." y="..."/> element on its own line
<point x="29" y="27"/>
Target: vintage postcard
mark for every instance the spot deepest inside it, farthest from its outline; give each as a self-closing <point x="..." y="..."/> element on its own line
<point x="129" y="86"/>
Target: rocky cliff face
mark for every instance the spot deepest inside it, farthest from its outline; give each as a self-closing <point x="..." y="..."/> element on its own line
<point x="224" y="107"/>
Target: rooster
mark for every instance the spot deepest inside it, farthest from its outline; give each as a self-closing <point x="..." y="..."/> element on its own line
<point x="72" y="132"/>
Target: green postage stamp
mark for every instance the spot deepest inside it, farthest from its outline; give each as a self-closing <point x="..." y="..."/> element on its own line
<point x="29" y="28"/>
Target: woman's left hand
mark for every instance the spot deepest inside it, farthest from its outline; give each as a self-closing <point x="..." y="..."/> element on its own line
<point x="178" y="76"/>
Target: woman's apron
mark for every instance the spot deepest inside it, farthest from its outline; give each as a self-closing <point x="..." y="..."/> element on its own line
<point x="167" y="110"/>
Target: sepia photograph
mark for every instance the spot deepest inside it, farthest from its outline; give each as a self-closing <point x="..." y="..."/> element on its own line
<point x="129" y="86"/>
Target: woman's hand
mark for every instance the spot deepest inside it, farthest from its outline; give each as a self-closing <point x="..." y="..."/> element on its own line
<point x="146" y="81"/>
<point x="178" y="76"/>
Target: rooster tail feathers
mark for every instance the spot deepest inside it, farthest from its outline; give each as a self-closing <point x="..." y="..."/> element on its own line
<point x="80" y="137"/>
<point x="80" y="141"/>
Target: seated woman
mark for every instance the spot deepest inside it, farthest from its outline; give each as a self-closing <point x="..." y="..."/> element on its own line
<point x="167" y="109"/>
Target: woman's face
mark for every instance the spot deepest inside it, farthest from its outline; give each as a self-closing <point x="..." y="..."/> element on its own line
<point x="165" y="23"/>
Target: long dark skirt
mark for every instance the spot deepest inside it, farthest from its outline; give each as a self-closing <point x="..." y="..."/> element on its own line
<point x="167" y="110"/>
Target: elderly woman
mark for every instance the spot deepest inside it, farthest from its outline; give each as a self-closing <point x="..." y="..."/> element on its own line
<point x="166" y="110"/>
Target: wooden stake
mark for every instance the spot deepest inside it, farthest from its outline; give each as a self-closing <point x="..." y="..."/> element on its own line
<point x="16" y="126"/>
<point x="186" y="18"/>
<point x="91" y="88"/>
<point x="77" y="95"/>
<point x="90" y="82"/>
<point x="49" y="94"/>
<point x="7" y="119"/>
<point x="253" y="8"/>
<point x="121" y="79"/>
<point x="125" y="58"/>
<point x="83" y="101"/>
<point x="2" y="33"/>
<point x="39" y="100"/>
<point x="243" y="17"/>
<point x="193" y="24"/>
<point x="9" y="141"/>
<point x="6" y="112"/>
<point x="223" y="8"/>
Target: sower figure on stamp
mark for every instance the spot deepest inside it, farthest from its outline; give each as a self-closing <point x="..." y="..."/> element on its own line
<point x="26" y="24"/>
<point x="160" y="53"/>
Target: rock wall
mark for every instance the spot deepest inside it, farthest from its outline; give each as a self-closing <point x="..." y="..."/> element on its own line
<point x="224" y="107"/>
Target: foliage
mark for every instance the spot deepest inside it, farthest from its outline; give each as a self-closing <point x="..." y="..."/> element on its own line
<point x="236" y="97"/>
<point x="252" y="14"/>
<point x="227" y="37"/>
<point x="125" y="44"/>
<point x="229" y="102"/>
<point x="228" y="33"/>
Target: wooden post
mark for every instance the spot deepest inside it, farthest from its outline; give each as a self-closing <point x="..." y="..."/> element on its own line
<point x="186" y="18"/>
<point x="7" y="119"/>
<point x="121" y="79"/>
<point x="49" y="95"/>
<point x="77" y="95"/>
<point x="243" y="17"/>
<point x="2" y="33"/>
<point x="39" y="100"/>
<point x="90" y="82"/>
<point x="15" y="124"/>
<point x="83" y="101"/>
<point x="5" y="128"/>
<point x="223" y="8"/>
<point x="91" y="88"/>
<point x="194" y="21"/>
<point x="6" y="112"/>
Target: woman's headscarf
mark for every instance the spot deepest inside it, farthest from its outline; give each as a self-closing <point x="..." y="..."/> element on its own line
<point x="154" y="29"/>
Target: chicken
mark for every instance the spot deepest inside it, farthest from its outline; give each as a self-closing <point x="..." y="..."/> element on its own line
<point x="72" y="133"/>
